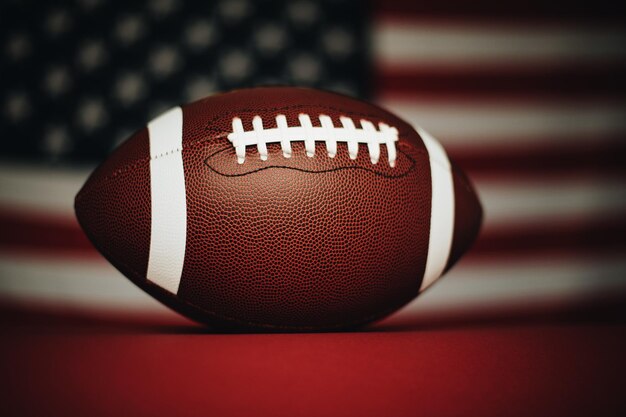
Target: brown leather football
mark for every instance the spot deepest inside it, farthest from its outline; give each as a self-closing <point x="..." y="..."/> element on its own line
<point x="280" y="209"/>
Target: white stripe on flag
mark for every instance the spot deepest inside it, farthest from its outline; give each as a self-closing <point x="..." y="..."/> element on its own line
<point x="524" y="283"/>
<point x="41" y="188"/>
<point x="91" y="283"/>
<point x="517" y="203"/>
<point x="169" y="205"/>
<point x="429" y="43"/>
<point x="488" y="124"/>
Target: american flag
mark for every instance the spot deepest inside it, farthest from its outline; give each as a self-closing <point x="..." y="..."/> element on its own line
<point x="529" y="98"/>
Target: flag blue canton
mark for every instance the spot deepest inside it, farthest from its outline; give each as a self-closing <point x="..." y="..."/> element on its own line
<point x="78" y="77"/>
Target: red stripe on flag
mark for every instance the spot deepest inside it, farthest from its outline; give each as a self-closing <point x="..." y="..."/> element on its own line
<point x="509" y="12"/>
<point x="596" y="158"/>
<point x="568" y="238"/>
<point x="36" y="233"/>
<point x="562" y="82"/>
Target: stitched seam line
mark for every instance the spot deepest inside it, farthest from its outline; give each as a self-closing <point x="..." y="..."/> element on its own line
<point x="408" y="171"/>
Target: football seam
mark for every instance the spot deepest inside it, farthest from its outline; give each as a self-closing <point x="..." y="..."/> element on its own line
<point x="381" y="174"/>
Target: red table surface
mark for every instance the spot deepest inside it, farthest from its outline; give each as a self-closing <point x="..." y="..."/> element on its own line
<point x="499" y="365"/>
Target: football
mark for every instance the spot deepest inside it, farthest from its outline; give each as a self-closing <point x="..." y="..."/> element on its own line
<point x="281" y="209"/>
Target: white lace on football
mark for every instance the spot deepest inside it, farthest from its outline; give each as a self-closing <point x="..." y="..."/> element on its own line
<point x="309" y="134"/>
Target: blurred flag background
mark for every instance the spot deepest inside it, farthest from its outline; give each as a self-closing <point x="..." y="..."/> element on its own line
<point x="529" y="98"/>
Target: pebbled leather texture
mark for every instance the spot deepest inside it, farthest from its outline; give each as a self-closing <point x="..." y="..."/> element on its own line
<point x="289" y="244"/>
